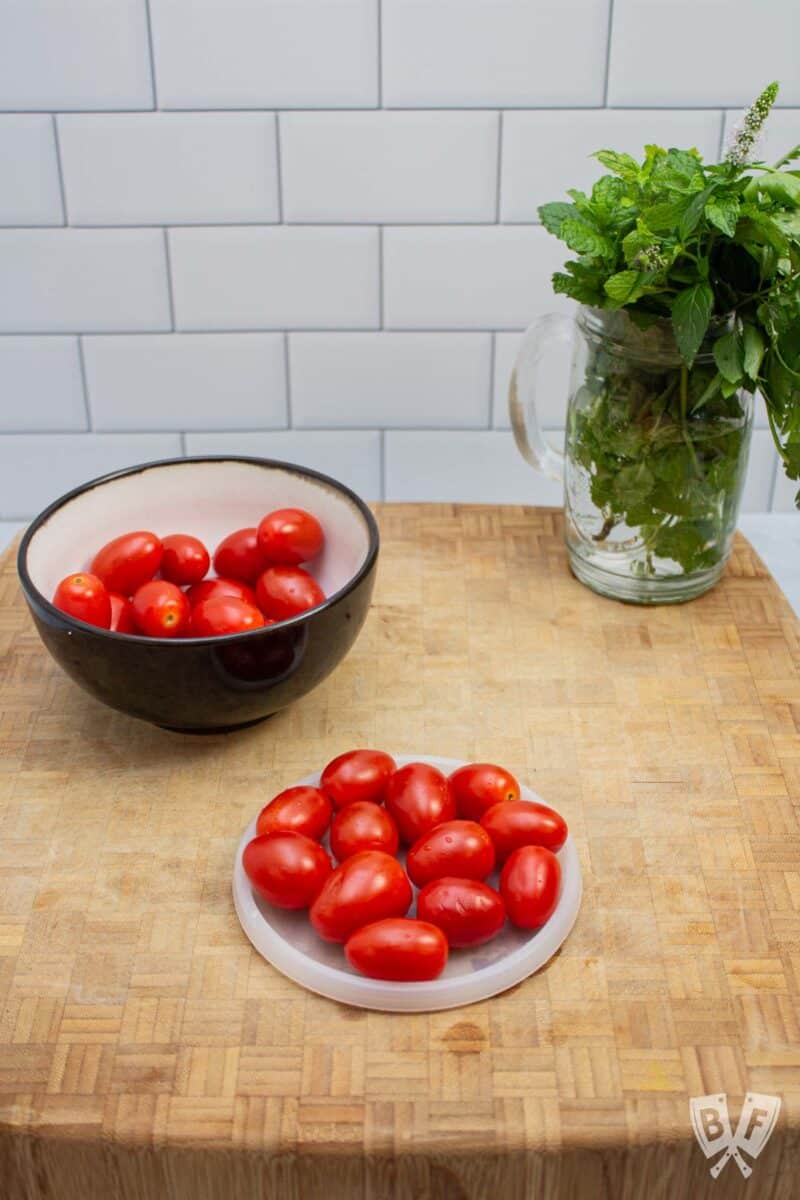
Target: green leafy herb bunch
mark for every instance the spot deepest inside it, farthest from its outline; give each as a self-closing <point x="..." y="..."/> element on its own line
<point x="713" y="251"/>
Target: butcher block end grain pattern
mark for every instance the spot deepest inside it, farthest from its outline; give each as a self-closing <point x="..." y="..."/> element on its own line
<point x="147" y="1051"/>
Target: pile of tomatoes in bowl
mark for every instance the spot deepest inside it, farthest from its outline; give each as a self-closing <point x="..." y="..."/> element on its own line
<point x="463" y="847"/>
<point x="141" y="584"/>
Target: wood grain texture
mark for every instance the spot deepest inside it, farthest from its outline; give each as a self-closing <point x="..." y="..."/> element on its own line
<point x="146" y="1051"/>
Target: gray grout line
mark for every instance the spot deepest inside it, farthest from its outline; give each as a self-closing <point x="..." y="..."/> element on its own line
<point x="447" y="108"/>
<point x="153" y="82"/>
<point x="60" y="171"/>
<point x="499" y="166"/>
<point x="288" y="369"/>
<point x="168" y="265"/>
<point x="278" y="167"/>
<point x="380" y="278"/>
<point x="492" y="364"/>
<point x="272" y="329"/>
<point x="777" y="466"/>
<point x="382" y="462"/>
<point x="721" y="147"/>
<point x="85" y="384"/>
<point x="608" y="50"/>
<point x="182" y="440"/>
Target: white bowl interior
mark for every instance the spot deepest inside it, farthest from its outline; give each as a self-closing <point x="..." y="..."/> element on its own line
<point x="206" y="499"/>
<point x="287" y="939"/>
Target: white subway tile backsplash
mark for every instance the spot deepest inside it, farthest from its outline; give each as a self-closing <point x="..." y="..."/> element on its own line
<point x="389" y="166"/>
<point x="30" y="194"/>
<point x="288" y="277"/>
<point x="783" y="496"/>
<point x="470" y="277"/>
<point x="36" y="469"/>
<point x="186" y="381"/>
<point x="265" y="53"/>
<point x="40" y="385"/>
<point x="780" y="134"/>
<point x="544" y="153"/>
<point x="479" y="468"/>
<point x="552" y="387"/>
<point x="169" y="168"/>
<point x="81" y="54"/>
<point x="352" y="456"/>
<point x="70" y="280"/>
<point x="481" y="54"/>
<point x="390" y="379"/>
<point x="701" y="52"/>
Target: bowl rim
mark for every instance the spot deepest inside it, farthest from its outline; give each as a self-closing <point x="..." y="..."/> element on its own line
<point x="33" y="593"/>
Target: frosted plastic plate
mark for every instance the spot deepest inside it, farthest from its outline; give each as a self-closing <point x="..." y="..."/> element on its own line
<point x="287" y="940"/>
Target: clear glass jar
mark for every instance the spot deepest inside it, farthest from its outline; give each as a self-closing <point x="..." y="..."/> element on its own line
<point x="654" y="459"/>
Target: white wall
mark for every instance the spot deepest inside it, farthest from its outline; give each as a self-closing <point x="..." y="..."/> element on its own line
<point x="306" y="228"/>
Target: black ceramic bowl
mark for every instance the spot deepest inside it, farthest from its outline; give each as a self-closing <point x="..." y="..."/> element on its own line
<point x="202" y="684"/>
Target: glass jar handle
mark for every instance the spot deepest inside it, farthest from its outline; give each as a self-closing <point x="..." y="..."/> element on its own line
<point x="533" y="447"/>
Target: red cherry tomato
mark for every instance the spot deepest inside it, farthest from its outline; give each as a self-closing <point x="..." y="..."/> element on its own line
<point x="288" y="869"/>
<point x="220" y="587"/>
<point x="284" y="592"/>
<point x="161" y="609"/>
<point x="298" y="810"/>
<point x="367" y="887"/>
<point x="467" y="911"/>
<point x="398" y="948"/>
<point x="123" y="618"/>
<point x="128" y="561"/>
<point x="516" y="823"/>
<point x="358" y="775"/>
<point x="290" y="536"/>
<point x="224" y="614"/>
<point x="459" y="848"/>
<point x="478" y="786"/>
<point x="83" y="596"/>
<point x="529" y="885"/>
<point x="363" y="826"/>
<point x="185" y="559"/>
<point x="419" y="797"/>
<point x="238" y="556"/>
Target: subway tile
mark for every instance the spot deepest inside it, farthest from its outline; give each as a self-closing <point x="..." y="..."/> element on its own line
<point x="283" y="278"/>
<point x="169" y="168"/>
<point x="352" y="456"/>
<point x="81" y="54"/>
<point x="552" y="384"/>
<point x="389" y="166"/>
<point x="30" y="194"/>
<point x="760" y="472"/>
<point x="470" y="277"/>
<point x="780" y="134"/>
<point x="390" y="379"/>
<point x="783" y="497"/>
<point x="474" y="54"/>
<point x="701" y="52"/>
<point x="265" y="53"/>
<point x="71" y="280"/>
<point x="36" y="469"/>
<point x="544" y="153"/>
<point x="186" y="381"/>
<point x="477" y="468"/>
<point x="41" y="385"/>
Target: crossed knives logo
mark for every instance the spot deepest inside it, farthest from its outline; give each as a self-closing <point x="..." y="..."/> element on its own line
<point x="712" y="1128"/>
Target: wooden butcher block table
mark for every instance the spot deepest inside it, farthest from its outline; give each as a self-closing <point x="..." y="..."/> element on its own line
<point x="147" y="1051"/>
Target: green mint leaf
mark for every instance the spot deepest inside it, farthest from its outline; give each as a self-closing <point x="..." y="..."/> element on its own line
<point x="694" y="211"/>
<point x="729" y="357"/>
<point x="619" y="164"/>
<point x="691" y="313"/>
<point x="553" y="215"/>
<point x="581" y="238"/>
<point x="664" y="216"/>
<point x="625" y="287"/>
<point x="753" y="350"/>
<point x="723" y="213"/>
<point x="781" y="187"/>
